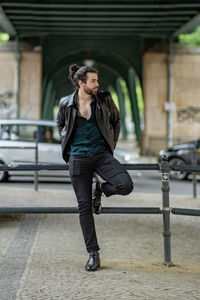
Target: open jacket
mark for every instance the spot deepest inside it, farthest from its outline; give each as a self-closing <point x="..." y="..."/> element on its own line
<point x="107" y="117"/>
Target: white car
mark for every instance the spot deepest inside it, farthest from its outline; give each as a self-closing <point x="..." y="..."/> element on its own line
<point x="18" y="146"/>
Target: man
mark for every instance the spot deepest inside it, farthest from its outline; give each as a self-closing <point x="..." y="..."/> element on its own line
<point x="89" y="125"/>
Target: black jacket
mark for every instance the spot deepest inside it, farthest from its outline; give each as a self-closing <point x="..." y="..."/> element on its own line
<point x="107" y="117"/>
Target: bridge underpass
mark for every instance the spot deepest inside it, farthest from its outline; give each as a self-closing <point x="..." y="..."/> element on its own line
<point x="114" y="35"/>
<point x="37" y="260"/>
<point x="111" y="68"/>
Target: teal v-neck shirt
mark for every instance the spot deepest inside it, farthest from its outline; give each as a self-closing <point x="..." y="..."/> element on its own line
<point x="86" y="136"/>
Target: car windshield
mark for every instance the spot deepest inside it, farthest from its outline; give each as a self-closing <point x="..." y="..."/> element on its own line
<point x="48" y="134"/>
<point x="15" y="132"/>
<point x="28" y="133"/>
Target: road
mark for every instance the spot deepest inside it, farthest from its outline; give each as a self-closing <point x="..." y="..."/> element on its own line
<point x="144" y="182"/>
<point x="150" y="181"/>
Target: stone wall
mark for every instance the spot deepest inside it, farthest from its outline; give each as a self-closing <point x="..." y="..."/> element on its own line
<point x="30" y="85"/>
<point x="7" y="85"/>
<point x="186" y="94"/>
<point x="30" y="75"/>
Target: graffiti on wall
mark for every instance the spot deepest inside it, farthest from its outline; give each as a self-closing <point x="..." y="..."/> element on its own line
<point x="189" y="113"/>
<point x="7" y="107"/>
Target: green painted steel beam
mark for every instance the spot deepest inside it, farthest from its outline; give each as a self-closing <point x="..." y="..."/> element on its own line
<point x="93" y="5"/>
<point x="99" y="24"/>
<point x="5" y="25"/>
<point x="92" y="29"/>
<point x="49" y="90"/>
<point x="117" y="56"/>
<point x="101" y="19"/>
<point x="130" y="35"/>
<point x="149" y="19"/>
<point x="122" y="110"/>
<point x="134" y="105"/>
<point x="189" y="26"/>
<point x="51" y="104"/>
<point x="118" y="64"/>
<point x="104" y="12"/>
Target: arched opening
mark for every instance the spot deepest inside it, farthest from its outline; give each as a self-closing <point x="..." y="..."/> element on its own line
<point x="115" y="74"/>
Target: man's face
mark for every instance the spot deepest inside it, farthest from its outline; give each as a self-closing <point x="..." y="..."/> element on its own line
<point x="91" y="85"/>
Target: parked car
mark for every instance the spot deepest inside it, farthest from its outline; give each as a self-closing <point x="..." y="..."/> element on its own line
<point x="18" y="135"/>
<point x="182" y="154"/>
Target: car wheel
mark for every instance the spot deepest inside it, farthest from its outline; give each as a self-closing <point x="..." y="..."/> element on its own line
<point x="3" y="175"/>
<point x="178" y="174"/>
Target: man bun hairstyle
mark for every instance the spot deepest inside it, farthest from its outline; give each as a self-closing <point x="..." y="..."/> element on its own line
<point x="77" y="73"/>
<point x="72" y="70"/>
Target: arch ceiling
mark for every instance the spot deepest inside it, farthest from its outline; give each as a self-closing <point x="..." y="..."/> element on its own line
<point x="113" y="33"/>
<point x="146" y="18"/>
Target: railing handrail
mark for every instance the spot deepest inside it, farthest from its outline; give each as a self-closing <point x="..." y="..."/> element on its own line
<point x="146" y="167"/>
<point x="18" y="147"/>
<point x="166" y="209"/>
<point x="31" y="167"/>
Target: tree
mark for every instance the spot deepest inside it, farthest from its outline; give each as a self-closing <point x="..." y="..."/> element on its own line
<point x="4" y="37"/>
<point x="191" y="39"/>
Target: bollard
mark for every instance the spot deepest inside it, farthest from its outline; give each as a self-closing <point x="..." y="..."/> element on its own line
<point x="36" y="162"/>
<point x="150" y="149"/>
<point x="194" y="177"/>
<point x="165" y="168"/>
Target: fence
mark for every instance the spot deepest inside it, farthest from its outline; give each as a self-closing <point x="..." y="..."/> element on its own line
<point x="36" y="159"/>
<point x="165" y="188"/>
<point x="36" y="181"/>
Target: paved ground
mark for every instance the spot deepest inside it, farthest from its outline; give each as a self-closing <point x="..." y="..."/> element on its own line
<point x="43" y="256"/>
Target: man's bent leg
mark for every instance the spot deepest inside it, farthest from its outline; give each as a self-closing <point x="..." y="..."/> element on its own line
<point x="81" y="176"/>
<point x="118" y="180"/>
<point x="119" y="184"/>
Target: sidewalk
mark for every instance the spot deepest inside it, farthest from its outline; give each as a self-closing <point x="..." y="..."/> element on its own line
<point x="43" y="256"/>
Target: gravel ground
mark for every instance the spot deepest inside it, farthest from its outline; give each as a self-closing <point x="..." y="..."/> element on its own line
<point x="43" y="256"/>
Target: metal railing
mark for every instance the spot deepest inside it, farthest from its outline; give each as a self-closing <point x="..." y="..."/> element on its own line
<point x="165" y="188"/>
<point x="36" y="177"/>
<point x="36" y="158"/>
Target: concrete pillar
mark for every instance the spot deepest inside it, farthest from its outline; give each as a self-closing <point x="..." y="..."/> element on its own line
<point x="20" y="81"/>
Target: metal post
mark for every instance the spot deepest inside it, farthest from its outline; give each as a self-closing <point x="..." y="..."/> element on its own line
<point x="150" y="149"/>
<point x="17" y="58"/>
<point x="194" y="176"/>
<point x="170" y="90"/>
<point x="165" y="168"/>
<point x="36" y="162"/>
<point x="122" y="109"/>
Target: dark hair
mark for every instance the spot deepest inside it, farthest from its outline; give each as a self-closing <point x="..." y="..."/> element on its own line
<point x="77" y="73"/>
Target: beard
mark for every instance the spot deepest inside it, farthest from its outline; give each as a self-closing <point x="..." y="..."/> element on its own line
<point x="89" y="91"/>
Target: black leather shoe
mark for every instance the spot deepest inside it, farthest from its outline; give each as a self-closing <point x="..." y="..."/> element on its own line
<point x="93" y="262"/>
<point x="96" y="201"/>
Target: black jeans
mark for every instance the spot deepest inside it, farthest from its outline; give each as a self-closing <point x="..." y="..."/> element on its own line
<point x="117" y="181"/>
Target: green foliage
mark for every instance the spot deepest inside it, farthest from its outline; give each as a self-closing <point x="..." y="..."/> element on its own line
<point x="4" y="37"/>
<point x="191" y="39"/>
